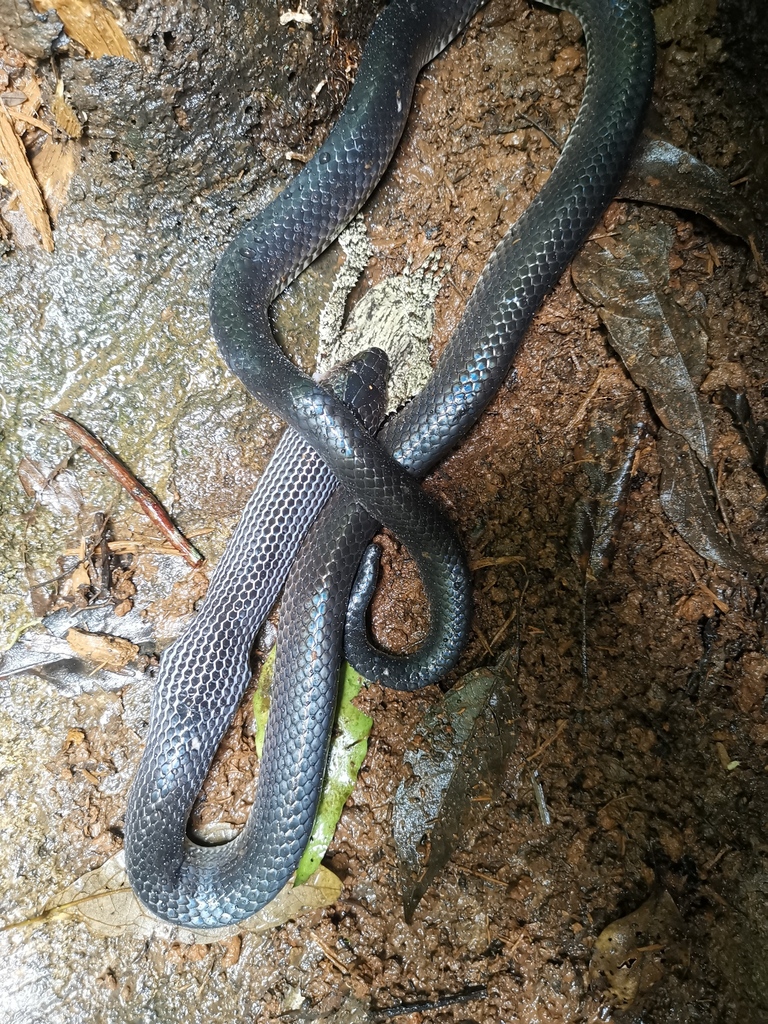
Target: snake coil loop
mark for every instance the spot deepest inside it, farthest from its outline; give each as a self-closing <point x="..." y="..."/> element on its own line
<point x="203" y="675"/>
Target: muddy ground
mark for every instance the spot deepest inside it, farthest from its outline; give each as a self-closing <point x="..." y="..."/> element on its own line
<point x="653" y="770"/>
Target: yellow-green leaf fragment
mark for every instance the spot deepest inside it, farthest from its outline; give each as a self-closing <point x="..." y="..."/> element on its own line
<point x="261" y="699"/>
<point x="349" y="745"/>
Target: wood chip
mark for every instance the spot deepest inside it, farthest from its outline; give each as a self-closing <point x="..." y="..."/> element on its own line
<point x="91" y="24"/>
<point x="64" y="114"/>
<point x="13" y="158"/>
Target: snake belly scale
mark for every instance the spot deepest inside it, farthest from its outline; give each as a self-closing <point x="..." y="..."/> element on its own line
<point x="202" y="677"/>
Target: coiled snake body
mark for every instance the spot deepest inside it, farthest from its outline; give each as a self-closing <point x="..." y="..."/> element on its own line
<point x="204" y="673"/>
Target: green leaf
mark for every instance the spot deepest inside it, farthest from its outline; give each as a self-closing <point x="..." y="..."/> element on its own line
<point x="349" y="745"/>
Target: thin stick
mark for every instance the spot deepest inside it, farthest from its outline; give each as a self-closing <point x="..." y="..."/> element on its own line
<point x="143" y="497"/>
<point x="535" y="124"/>
<point x="543" y="746"/>
<point x="328" y="954"/>
<point x="468" y="995"/>
<point x="584" y="649"/>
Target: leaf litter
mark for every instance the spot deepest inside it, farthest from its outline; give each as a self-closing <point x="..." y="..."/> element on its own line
<point x="664" y="349"/>
<point x="754" y="434"/>
<point x="687" y="500"/>
<point x="664" y="175"/>
<point x="104" y="902"/>
<point x="607" y="457"/>
<point x="661" y="345"/>
<point x="456" y="761"/>
<point x="635" y="953"/>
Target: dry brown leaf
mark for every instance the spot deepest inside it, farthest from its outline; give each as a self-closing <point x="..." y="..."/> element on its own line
<point x="54" y="166"/>
<point x="104" y="901"/>
<point x="19" y="115"/>
<point x="64" y="114"/>
<point x="33" y="94"/>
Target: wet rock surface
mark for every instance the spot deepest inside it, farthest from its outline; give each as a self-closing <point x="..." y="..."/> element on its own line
<point x="653" y="773"/>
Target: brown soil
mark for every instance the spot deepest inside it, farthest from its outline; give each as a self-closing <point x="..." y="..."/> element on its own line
<point x="635" y="781"/>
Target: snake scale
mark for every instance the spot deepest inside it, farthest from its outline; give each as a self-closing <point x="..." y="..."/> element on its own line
<point x="203" y="675"/>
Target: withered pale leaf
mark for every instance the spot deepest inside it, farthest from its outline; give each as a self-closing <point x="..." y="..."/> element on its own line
<point x="457" y="756"/>
<point x="661" y="345"/>
<point x="104" y="901"/>
<point x="634" y="953"/>
<point x="59" y="492"/>
<point x="688" y="502"/>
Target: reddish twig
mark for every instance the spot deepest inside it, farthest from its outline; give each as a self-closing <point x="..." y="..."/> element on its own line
<point x="143" y="497"/>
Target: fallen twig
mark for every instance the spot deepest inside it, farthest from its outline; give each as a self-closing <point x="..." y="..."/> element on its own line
<point x="468" y="995"/>
<point x="143" y="497"/>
